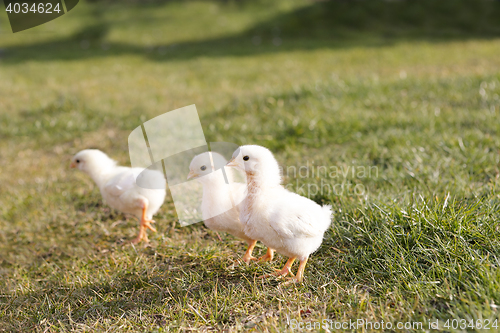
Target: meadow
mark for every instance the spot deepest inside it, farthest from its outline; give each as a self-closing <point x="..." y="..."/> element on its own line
<point x="408" y="90"/>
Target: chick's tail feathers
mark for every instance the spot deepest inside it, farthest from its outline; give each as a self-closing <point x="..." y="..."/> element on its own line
<point x="327" y="211"/>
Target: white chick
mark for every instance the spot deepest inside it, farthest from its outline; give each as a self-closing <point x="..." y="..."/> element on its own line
<point x="289" y="223"/>
<point x="219" y="195"/>
<point x="119" y="189"/>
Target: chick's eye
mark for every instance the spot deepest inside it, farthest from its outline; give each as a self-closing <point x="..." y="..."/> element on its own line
<point x="203" y="168"/>
<point x="246" y="158"/>
<point x="77" y="161"/>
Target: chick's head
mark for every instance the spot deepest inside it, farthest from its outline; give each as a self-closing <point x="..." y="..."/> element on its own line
<point x="205" y="164"/>
<point x="90" y="160"/>
<point x="258" y="162"/>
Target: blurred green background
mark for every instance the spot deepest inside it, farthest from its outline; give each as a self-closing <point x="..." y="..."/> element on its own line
<point x="410" y="88"/>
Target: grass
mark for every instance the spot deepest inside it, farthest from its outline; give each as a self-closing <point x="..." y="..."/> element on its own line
<point x="417" y="103"/>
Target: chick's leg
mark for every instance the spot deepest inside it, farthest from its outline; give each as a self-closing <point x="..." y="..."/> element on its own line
<point x="284" y="272"/>
<point x="300" y="272"/>
<point x="268" y="256"/>
<point x="248" y="254"/>
<point x="145" y="224"/>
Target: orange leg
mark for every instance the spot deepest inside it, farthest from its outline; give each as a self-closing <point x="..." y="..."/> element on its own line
<point x="300" y="272"/>
<point x="284" y="272"/>
<point x="248" y="254"/>
<point x="268" y="256"/>
<point x="144" y="225"/>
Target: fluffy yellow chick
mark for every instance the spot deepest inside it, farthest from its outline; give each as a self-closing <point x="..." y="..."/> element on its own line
<point x="287" y="222"/>
<point x="119" y="188"/>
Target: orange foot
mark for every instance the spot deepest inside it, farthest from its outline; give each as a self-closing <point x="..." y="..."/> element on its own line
<point x="300" y="274"/>
<point x="268" y="256"/>
<point x="247" y="257"/>
<point x="143" y="235"/>
<point x="144" y="225"/>
<point x="282" y="273"/>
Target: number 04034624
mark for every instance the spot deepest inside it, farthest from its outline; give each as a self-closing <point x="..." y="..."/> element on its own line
<point x="484" y="324"/>
<point x="41" y="8"/>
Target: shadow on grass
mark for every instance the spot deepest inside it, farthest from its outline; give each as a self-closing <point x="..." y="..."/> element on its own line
<point x="154" y="296"/>
<point x="327" y="24"/>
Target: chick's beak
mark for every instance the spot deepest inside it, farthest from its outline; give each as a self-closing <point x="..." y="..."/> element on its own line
<point x="72" y="165"/>
<point x="192" y="174"/>
<point x="232" y="163"/>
